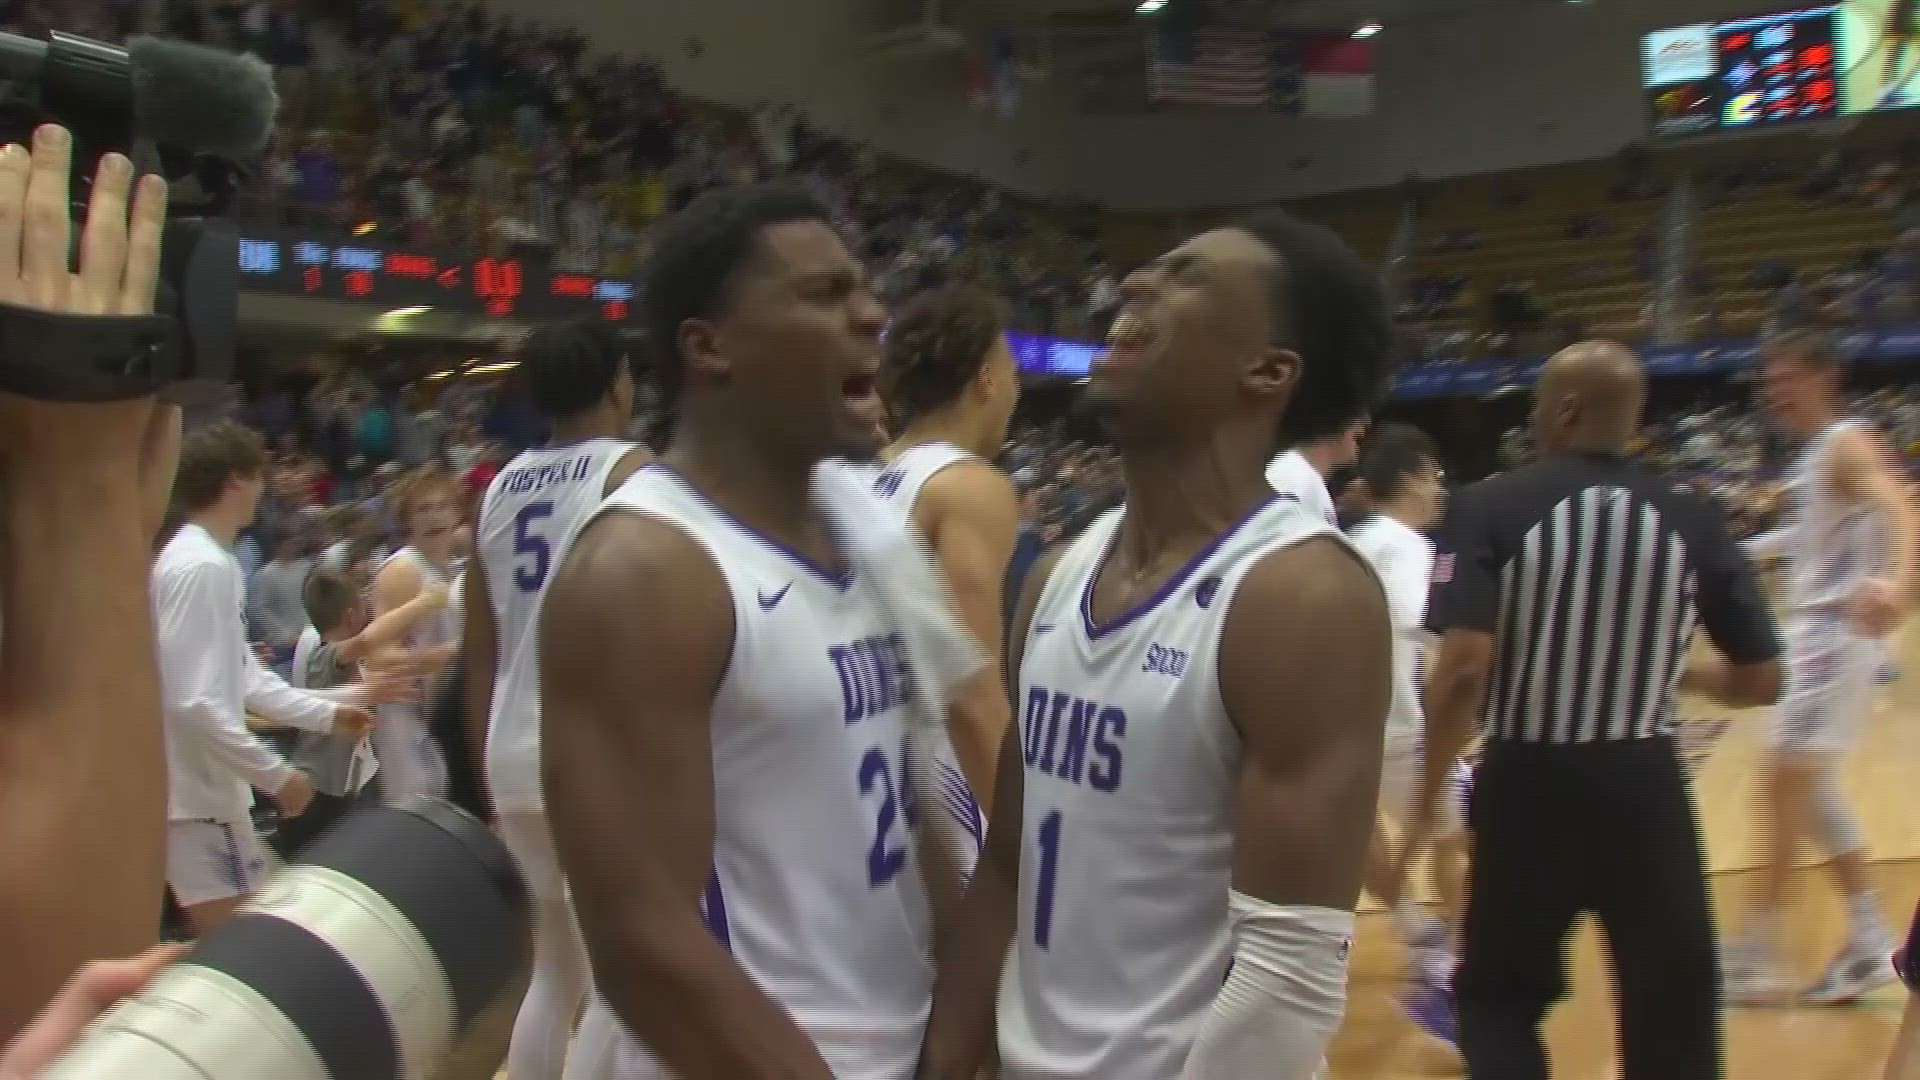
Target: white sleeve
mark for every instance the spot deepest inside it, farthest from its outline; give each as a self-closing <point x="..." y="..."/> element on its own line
<point x="1283" y="998"/>
<point x="198" y="676"/>
<point x="269" y="696"/>
<point x="1405" y="573"/>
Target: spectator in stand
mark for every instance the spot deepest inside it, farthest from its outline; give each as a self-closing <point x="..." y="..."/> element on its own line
<point x="276" y="610"/>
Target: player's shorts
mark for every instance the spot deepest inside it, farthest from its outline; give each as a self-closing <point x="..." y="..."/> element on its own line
<point x="1400" y="779"/>
<point x="1832" y="673"/>
<point x="411" y="763"/>
<point x="213" y="860"/>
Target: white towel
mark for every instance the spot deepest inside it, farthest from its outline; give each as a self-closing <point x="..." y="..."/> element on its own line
<point x="940" y="654"/>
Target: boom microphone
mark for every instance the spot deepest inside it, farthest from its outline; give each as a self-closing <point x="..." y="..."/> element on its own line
<point x="175" y="109"/>
<point x="183" y="97"/>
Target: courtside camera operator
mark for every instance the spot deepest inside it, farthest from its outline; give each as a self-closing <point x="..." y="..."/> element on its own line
<point x="83" y="487"/>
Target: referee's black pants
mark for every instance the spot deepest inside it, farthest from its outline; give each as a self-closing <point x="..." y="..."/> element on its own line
<point x="1607" y="828"/>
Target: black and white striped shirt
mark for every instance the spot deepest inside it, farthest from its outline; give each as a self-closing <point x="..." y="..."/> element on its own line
<point x="1590" y="574"/>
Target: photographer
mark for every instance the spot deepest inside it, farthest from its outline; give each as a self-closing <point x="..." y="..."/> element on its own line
<point x="82" y="491"/>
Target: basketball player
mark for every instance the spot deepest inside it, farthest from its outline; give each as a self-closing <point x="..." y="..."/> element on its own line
<point x="1203" y="676"/>
<point x="428" y="507"/>
<point x="579" y="376"/>
<point x="722" y="703"/>
<point x="1848" y="547"/>
<point x="1401" y="477"/>
<point x="950" y="382"/>
<point x="1302" y="470"/>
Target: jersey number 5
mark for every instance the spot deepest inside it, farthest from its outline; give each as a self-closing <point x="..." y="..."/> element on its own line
<point x="526" y="542"/>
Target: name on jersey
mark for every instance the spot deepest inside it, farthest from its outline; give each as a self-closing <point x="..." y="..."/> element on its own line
<point x="873" y="676"/>
<point x="1077" y="740"/>
<point x="530" y="478"/>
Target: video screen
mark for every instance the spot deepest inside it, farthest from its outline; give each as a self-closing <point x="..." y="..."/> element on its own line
<point x="1809" y="64"/>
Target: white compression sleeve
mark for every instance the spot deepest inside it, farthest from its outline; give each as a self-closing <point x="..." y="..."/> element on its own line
<point x="1284" y="997"/>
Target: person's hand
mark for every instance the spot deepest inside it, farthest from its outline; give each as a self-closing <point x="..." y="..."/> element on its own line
<point x="91" y="992"/>
<point x="1876" y="607"/>
<point x="295" y="795"/>
<point x="436" y="594"/>
<point x="389" y="684"/>
<point x="353" y="721"/>
<point x="119" y="245"/>
<point x="119" y="268"/>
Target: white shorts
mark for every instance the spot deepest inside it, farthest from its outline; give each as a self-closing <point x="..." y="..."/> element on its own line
<point x="410" y="760"/>
<point x="213" y="860"/>
<point x="1832" y="673"/>
<point x="1400" y="777"/>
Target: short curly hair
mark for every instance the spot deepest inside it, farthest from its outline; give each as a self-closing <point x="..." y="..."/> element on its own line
<point x="936" y="346"/>
<point x="212" y="457"/>
<point x="1331" y="308"/>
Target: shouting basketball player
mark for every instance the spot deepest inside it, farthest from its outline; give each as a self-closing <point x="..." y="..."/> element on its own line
<point x="1848" y="547"/>
<point x="1202" y="679"/>
<point x="950" y="381"/>
<point x="579" y="377"/>
<point x="722" y="704"/>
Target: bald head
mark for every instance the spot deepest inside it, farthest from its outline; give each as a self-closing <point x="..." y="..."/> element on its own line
<point x="1589" y="398"/>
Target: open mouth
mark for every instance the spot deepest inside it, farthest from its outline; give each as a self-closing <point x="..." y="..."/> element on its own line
<point x="1128" y="331"/>
<point x="859" y="386"/>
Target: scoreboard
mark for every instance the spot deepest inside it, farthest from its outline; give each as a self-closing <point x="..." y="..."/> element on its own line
<point x="296" y="265"/>
<point x="1740" y="74"/>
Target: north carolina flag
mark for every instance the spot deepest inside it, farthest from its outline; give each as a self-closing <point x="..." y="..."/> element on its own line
<point x="1324" y="75"/>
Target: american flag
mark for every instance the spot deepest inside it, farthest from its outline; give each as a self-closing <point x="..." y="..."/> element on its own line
<point x="1211" y="65"/>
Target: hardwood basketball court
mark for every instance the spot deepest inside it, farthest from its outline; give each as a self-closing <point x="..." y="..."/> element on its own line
<point x="1845" y="1043"/>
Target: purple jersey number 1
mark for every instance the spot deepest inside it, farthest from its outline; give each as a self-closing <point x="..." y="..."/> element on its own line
<point x="1049" y="877"/>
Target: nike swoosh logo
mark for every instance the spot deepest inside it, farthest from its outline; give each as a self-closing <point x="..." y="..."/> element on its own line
<point x="768" y="603"/>
<point x="1044" y="628"/>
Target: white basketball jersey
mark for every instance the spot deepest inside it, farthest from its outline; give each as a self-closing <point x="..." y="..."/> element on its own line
<point x="900" y="483"/>
<point x="1403" y="560"/>
<point x="1835" y="544"/>
<point x="438" y="628"/>
<point x="534" y="504"/>
<point x="815" y="888"/>
<point x="1291" y="473"/>
<point x="1131" y="766"/>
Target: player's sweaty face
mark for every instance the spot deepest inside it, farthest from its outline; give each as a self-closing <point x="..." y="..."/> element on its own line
<point x="1191" y="320"/>
<point x="803" y="342"/>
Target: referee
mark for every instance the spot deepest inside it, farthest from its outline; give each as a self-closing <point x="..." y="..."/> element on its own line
<point x="1565" y="596"/>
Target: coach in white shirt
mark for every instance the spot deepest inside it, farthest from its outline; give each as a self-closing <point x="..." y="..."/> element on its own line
<point x="1302" y="471"/>
<point x="210" y="680"/>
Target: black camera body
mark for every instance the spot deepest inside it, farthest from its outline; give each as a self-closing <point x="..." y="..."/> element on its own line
<point x="174" y="109"/>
